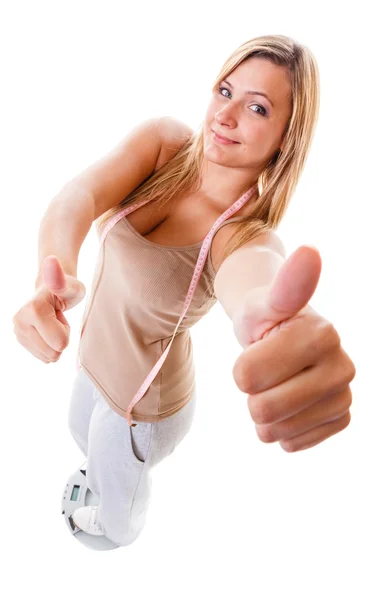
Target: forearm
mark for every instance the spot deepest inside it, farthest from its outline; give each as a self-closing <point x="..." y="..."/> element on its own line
<point x="64" y="227"/>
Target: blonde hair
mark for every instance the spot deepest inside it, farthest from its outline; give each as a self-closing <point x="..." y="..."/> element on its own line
<point x="277" y="181"/>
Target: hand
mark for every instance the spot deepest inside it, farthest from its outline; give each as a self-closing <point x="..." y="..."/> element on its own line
<point x="40" y="325"/>
<point x="293" y="366"/>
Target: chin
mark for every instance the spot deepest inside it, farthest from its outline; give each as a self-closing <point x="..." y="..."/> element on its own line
<point x="215" y="158"/>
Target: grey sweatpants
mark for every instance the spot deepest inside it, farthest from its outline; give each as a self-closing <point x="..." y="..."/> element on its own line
<point x="120" y="458"/>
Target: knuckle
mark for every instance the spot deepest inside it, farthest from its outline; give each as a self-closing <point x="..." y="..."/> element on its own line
<point x="246" y="373"/>
<point x="249" y="386"/>
<point x="19" y="322"/>
<point x="260" y="412"/>
<point x="327" y="336"/>
<point x="346" y="370"/>
<point x="288" y="446"/>
<point x="345" y="402"/>
<point x="265" y="434"/>
<point x="38" y="307"/>
<point x="349" y="368"/>
<point x="344" y="421"/>
<point x="33" y="308"/>
<point x="243" y="376"/>
<point x="62" y="344"/>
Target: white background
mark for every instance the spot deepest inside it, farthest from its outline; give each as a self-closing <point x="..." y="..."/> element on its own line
<point x="230" y="516"/>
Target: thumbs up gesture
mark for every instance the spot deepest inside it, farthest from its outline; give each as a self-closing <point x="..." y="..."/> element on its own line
<point x="293" y="367"/>
<point x="40" y="325"/>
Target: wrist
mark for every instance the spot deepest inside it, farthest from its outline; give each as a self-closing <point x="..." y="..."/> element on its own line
<point x="256" y="297"/>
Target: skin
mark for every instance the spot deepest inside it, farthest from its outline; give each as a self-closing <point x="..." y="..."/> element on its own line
<point x="293" y="367"/>
<point x="229" y="170"/>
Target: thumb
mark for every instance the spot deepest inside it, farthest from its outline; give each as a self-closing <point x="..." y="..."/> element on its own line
<point x="289" y="292"/>
<point x="66" y="287"/>
<point x="53" y="275"/>
<point x="294" y="284"/>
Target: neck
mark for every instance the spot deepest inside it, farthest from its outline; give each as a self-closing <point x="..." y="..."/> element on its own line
<point x="221" y="186"/>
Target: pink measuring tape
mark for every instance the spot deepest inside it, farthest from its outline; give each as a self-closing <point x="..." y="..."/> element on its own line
<point x="195" y="278"/>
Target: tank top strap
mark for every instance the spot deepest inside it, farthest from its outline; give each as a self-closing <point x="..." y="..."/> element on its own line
<point x="226" y="222"/>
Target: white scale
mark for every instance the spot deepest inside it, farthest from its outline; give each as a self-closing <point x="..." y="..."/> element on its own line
<point x="77" y="494"/>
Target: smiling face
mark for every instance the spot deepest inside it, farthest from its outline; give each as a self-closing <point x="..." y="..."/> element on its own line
<point x="254" y="122"/>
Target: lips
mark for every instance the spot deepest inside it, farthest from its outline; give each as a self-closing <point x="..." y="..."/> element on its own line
<point x="222" y="137"/>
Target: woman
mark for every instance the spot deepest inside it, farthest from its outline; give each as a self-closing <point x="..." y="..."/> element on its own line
<point x="161" y="270"/>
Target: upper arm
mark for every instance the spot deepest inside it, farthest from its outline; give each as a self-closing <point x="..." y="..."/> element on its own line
<point x="131" y="162"/>
<point x="252" y="265"/>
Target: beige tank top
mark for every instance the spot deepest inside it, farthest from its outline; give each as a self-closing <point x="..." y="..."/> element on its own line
<point x="136" y="298"/>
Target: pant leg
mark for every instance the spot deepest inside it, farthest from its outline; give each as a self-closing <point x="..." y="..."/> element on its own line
<point x="82" y="404"/>
<point x="81" y="407"/>
<point x="120" y="461"/>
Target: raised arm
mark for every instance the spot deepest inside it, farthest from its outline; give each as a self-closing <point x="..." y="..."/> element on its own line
<point x="253" y="265"/>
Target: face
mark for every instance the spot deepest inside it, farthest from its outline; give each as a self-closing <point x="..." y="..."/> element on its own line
<point x="255" y="123"/>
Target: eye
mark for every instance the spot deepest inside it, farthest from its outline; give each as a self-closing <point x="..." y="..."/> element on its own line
<point x="262" y="107"/>
<point x="264" y="113"/>
<point x="220" y="88"/>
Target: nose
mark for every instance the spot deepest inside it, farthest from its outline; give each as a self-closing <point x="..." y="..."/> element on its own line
<point x="225" y="117"/>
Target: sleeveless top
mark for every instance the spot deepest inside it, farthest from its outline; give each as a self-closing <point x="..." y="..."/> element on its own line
<point x="136" y="300"/>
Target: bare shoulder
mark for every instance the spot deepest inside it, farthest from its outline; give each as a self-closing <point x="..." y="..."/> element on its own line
<point x="269" y="241"/>
<point x="174" y="134"/>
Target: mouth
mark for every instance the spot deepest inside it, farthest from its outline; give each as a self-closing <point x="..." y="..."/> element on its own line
<point x="222" y="139"/>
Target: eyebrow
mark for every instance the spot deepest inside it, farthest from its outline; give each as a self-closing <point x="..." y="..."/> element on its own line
<point x="252" y="92"/>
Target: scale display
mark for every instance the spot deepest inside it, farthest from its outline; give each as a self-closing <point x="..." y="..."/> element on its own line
<point x="75" y="492"/>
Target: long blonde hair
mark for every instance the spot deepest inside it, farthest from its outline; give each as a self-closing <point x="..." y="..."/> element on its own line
<point x="277" y="181"/>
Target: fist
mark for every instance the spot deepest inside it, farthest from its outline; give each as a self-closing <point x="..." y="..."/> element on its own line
<point x="40" y="325"/>
<point x="293" y="367"/>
